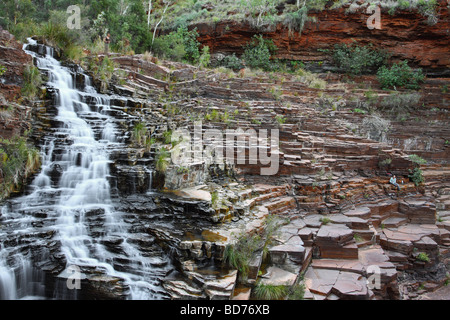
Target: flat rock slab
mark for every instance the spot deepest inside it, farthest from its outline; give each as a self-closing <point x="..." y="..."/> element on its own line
<point x="332" y="284"/>
<point x="337" y="233"/>
<point x="287" y="254"/>
<point x="361" y="212"/>
<point x="242" y="294"/>
<point x="222" y="288"/>
<point x="277" y="277"/>
<point x="412" y="232"/>
<point x="339" y="265"/>
<point x="418" y="211"/>
<point x="374" y="256"/>
<point x="375" y="260"/>
<point x="351" y="286"/>
<point x="313" y="220"/>
<point x="194" y="193"/>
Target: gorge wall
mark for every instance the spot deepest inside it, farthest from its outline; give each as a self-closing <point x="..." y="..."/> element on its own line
<point x="405" y="34"/>
<point x="340" y="216"/>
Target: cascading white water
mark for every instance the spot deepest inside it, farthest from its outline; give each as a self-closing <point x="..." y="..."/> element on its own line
<point x="82" y="187"/>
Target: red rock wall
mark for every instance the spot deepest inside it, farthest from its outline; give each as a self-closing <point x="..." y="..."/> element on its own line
<point x="14" y="58"/>
<point x="406" y="34"/>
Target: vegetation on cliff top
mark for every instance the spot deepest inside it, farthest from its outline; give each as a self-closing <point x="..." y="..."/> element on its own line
<point x="133" y="24"/>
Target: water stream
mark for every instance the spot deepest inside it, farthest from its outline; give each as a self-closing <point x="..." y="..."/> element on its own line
<point x="65" y="207"/>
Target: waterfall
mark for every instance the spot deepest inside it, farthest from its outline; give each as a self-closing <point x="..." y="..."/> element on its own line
<point x="79" y="150"/>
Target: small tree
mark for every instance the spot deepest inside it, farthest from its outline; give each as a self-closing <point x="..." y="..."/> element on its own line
<point x="258" y="52"/>
<point x="400" y="75"/>
<point x="205" y="57"/>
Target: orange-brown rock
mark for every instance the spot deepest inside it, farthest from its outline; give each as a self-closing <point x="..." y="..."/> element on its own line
<point x="14" y="59"/>
<point x="406" y="35"/>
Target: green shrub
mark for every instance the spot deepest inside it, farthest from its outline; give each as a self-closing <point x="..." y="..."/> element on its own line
<point x="57" y="35"/>
<point x="162" y="160"/>
<point x="325" y="220"/>
<point x="2" y="70"/>
<point x="416" y="176"/>
<point x="178" y="45"/>
<point x="232" y="62"/>
<point x="32" y="81"/>
<point x="214" y="198"/>
<point x="102" y="71"/>
<point x="73" y="52"/>
<point x="295" y="21"/>
<point x="17" y="161"/>
<point x="422" y="256"/>
<point x="385" y="163"/>
<point x="356" y="59"/>
<point x="205" y="58"/>
<point x="296" y="292"/>
<point x="400" y="75"/>
<point x="269" y="291"/>
<point x="239" y="255"/>
<point x="417" y="159"/>
<point x="257" y="53"/>
<point x="280" y="119"/>
<point x="428" y="8"/>
<point x="139" y="133"/>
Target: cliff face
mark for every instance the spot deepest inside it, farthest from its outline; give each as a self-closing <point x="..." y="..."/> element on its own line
<point x="14" y="116"/>
<point x="14" y="59"/>
<point x="406" y="34"/>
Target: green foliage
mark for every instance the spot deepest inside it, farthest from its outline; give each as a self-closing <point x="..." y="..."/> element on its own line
<point x="17" y="161"/>
<point x="2" y="70"/>
<point x="280" y="119"/>
<point x="385" y="163"/>
<point x="178" y="45"/>
<point x="167" y="136"/>
<point x="416" y="176"/>
<point x="162" y="159"/>
<point x="296" y="292"/>
<point x="417" y="159"/>
<point x="257" y="53"/>
<point x="260" y="11"/>
<point x="232" y="62"/>
<point x="325" y="220"/>
<point x="400" y="104"/>
<point x="205" y="57"/>
<point x="356" y="59"/>
<point x="32" y="81"/>
<point x="239" y="254"/>
<point x="422" y="256"/>
<point x="428" y="8"/>
<point x="139" y="133"/>
<point x="269" y="291"/>
<point x="102" y="71"/>
<point x="56" y="35"/>
<point x="295" y="21"/>
<point x="400" y="75"/>
<point x="214" y="198"/>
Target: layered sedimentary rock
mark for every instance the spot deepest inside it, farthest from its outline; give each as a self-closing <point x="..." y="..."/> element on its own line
<point x="352" y="234"/>
<point x="406" y="34"/>
<point x="15" y="116"/>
